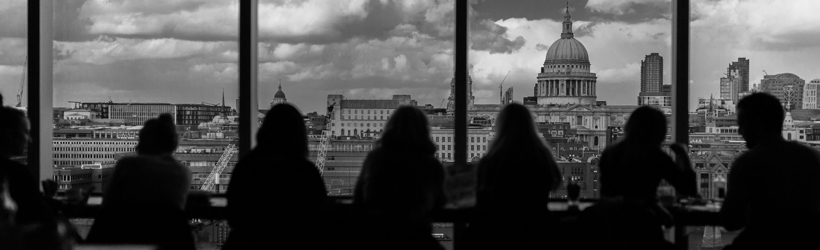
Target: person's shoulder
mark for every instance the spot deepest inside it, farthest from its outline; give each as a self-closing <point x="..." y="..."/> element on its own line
<point x="804" y="151"/>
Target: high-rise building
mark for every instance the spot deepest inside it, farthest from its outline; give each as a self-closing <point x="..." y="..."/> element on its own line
<point x="742" y="68"/>
<point x="508" y="96"/>
<point x="652" y="73"/>
<point x="810" y="94"/>
<point x="787" y="87"/>
<point x="730" y="86"/>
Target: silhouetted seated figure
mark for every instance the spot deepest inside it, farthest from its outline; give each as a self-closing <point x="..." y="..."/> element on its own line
<point x="401" y="182"/>
<point x="628" y="215"/>
<point x="773" y="190"/>
<point x="22" y="185"/>
<point x="144" y="200"/>
<point x="276" y="194"/>
<point x="514" y="181"/>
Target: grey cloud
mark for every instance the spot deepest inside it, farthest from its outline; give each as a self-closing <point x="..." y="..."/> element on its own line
<point x="381" y="21"/>
<point x="542" y="47"/>
<point x="489" y="36"/>
<point x="589" y="28"/>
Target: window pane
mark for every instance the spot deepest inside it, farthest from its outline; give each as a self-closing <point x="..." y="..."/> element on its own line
<point x="120" y="63"/>
<point x="362" y="58"/>
<point x="736" y="50"/>
<point x="580" y="70"/>
<point x="735" y="53"/>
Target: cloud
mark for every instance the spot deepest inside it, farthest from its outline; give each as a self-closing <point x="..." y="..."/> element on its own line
<point x="745" y="25"/>
<point x="107" y="50"/>
<point x="190" y="19"/>
<point x="620" y="7"/>
<point x="492" y="37"/>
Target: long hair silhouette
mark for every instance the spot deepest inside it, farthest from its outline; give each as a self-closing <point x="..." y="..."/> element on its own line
<point x="407" y="131"/>
<point x="515" y="139"/>
<point x="283" y="132"/>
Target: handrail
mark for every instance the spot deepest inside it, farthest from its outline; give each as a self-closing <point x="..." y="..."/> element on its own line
<point x="460" y="217"/>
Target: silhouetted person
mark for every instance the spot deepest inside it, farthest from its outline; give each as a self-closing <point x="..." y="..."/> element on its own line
<point x="276" y="194"/>
<point x="144" y="201"/>
<point x="401" y="182"/>
<point x="22" y="185"/>
<point x="773" y="190"/>
<point x="512" y="191"/>
<point x="631" y="171"/>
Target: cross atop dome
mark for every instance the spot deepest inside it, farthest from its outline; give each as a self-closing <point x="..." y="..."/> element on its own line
<point x="567" y="24"/>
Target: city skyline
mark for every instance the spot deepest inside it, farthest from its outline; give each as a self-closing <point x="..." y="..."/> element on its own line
<point x="185" y="51"/>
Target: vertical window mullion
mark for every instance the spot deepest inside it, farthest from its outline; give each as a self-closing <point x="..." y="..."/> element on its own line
<point x="680" y="71"/>
<point x="39" y="106"/>
<point x="680" y="91"/>
<point x="248" y="106"/>
<point x="461" y="79"/>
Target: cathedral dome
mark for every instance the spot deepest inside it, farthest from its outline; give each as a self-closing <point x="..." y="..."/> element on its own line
<point x="567" y="50"/>
<point x="279" y="97"/>
<point x="279" y="94"/>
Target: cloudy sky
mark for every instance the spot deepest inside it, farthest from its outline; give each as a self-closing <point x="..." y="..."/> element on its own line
<point x="184" y="51"/>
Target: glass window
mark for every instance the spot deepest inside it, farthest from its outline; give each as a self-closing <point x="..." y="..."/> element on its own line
<point x="360" y="56"/>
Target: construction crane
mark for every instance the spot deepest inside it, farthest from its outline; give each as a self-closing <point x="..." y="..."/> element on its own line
<point x="22" y="84"/>
<point x="213" y="178"/>
<point x="764" y="72"/>
<point x="325" y="141"/>
<point x="501" y="89"/>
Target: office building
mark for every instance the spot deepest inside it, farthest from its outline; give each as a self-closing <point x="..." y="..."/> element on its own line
<point x="652" y="73"/>
<point x="810" y="94"/>
<point x="787" y="87"/>
<point x="730" y="86"/>
<point x="741" y="66"/>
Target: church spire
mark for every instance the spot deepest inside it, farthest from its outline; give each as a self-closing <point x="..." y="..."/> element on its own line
<point x="567" y="25"/>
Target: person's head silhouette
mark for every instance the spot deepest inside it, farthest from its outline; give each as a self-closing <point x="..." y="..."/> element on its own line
<point x="158" y="136"/>
<point x="516" y="140"/>
<point x="407" y="131"/>
<point x="760" y="118"/>
<point x="283" y="132"/>
<point x="646" y="127"/>
<point x="514" y="126"/>
<point x="14" y="131"/>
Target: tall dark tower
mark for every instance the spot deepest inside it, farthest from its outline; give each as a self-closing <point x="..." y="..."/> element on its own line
<point x="742" y="67"/>
<point x="652" y="73"/>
